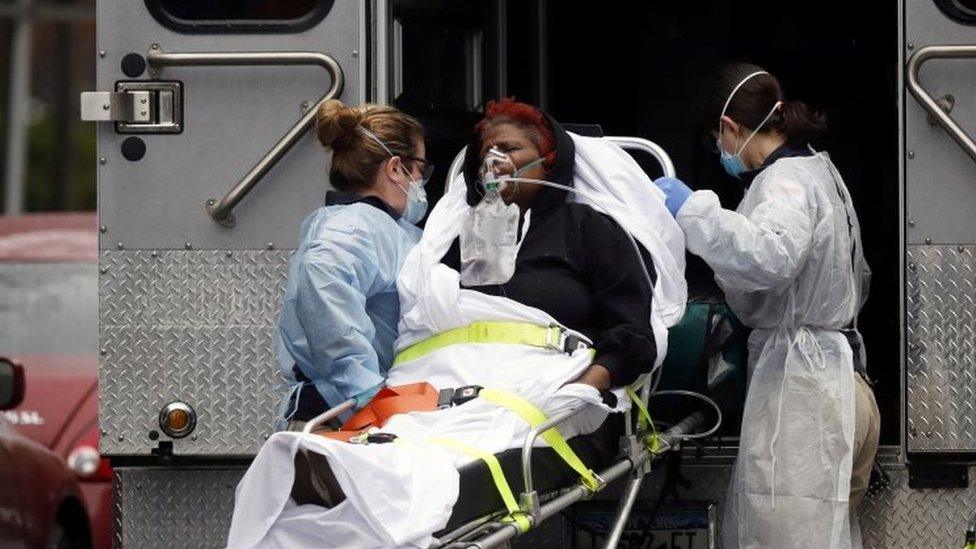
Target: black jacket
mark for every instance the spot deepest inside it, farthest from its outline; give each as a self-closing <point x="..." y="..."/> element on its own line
<point x="579" y="266"/>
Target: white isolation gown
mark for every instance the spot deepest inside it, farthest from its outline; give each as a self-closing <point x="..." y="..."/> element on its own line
<point x="790" y="262"/>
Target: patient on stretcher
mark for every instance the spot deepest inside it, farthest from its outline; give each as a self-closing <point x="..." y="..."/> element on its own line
<point x="512" y="310"/>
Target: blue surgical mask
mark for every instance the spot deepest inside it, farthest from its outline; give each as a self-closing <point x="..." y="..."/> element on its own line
<point x="416" y="205"/>
<point x="732" y="163"/>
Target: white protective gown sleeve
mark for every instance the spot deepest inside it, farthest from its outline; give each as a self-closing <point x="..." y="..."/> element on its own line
<point x="762" y="251"/>
<point x="789" y="260"/>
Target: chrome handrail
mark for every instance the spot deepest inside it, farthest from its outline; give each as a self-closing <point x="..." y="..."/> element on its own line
<point x="648" y="146"/>
<point x="915" y="63"/>
<point x="222" y="211"/>
<point x="629" y="143"/>
<point x="529" y="443"/>
<point x="455" y="169"/>
<point x="328" y="415"/>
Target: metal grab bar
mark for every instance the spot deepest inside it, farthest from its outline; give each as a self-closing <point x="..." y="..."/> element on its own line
<point x="455" y="170"/>
<point x="915" y="63"/>
<point x="631" y="143"/>
<point x="222" y="211"/>
<point x="648" y="146"/>
<point x="328" y="415"/>
<point x="529" y="443"/>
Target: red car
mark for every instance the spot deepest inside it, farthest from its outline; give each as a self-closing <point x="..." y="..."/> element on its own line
<point x="49" y="324"/>
<point x="40" y="501"/>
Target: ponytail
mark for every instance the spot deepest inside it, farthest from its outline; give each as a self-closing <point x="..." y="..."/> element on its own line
<point x="799" y="123"/>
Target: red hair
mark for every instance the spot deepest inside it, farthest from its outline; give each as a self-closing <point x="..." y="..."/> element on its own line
<point x="525" y="116"/>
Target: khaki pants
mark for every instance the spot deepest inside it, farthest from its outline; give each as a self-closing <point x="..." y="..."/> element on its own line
<point x="867" y="429"/>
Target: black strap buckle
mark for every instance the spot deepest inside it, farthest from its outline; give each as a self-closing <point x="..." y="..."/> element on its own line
<point x="380" y="438"/>
<point x="373" y="438"/>
<point x="565" y="341"/>
<point x="466" y="393"/>
<point x="455" y="397"/>
<point x="445" y="398"/>
<point x="573" y="342"/>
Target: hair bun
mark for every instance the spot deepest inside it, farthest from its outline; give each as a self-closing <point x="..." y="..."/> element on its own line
<point x="335" y="124"/>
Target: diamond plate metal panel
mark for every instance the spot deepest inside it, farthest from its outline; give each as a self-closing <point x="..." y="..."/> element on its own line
<point x="192" y="508"/>
<point x="901" y="517"/>
<point x="894" y="517"/>
<point x="941" y="358"/>
<point x="195" y="326"/>
<point x="167" y="508"/>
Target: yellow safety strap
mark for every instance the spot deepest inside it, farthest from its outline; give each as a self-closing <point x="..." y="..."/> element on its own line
<point x="497" y="475"/>
<point x="534" y="417"/>
<point x="652" y="441"/>
<point x="512" y="333"/>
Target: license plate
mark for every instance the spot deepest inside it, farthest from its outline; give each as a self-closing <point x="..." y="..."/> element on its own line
<point x="685" y="525"/>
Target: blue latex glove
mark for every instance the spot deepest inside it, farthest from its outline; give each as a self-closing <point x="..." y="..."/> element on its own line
<point x="363" y="398"/>
<point x="675" y="192"/>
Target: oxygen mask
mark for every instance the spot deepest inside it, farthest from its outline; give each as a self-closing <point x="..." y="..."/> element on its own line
<point x="496" y="168"/>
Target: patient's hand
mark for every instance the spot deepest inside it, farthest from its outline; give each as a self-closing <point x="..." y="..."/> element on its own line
<point x="595" y="376"/>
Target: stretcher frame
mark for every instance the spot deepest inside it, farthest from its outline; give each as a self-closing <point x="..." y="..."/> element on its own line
<point x="635" y="457"/>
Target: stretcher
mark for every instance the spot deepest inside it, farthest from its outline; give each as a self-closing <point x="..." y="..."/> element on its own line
<point x="623" y="448"/>
<point x="474" y="522"/>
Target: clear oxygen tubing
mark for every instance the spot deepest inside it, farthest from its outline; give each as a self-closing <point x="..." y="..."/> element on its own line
<point x="699" y="396"/>
<point x="655" y="373"/>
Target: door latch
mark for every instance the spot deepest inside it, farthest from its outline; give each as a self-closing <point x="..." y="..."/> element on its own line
<point x="137" y="107"/>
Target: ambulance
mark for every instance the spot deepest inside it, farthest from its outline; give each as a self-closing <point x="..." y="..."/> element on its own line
<point x="206" y="167"/>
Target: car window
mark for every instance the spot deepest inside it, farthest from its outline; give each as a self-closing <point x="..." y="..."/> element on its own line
<point x="48" y="308"/>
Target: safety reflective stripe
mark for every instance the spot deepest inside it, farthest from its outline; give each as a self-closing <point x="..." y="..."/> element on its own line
<point x="512" y="333"/>
<point x="497" y="475"/>
<point x="535" y="417"/>
<point x="653" y="441"/>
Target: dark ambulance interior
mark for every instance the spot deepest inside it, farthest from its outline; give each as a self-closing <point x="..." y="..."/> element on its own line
<point x="635" y="68"/>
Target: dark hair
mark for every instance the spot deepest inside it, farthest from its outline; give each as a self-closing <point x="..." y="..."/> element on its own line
<point x="356" y="157"/>
<point x="797" y="122"/>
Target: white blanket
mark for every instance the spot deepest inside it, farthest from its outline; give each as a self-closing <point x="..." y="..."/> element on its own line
<point x="399" y="494"/>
